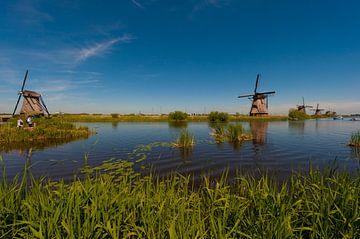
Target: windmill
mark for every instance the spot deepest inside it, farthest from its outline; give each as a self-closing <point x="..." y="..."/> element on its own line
<point x="259" y="100"/>
<point x="302" y="108"/>
<point x="33" y="102"/>
<point x="317" y="110"/>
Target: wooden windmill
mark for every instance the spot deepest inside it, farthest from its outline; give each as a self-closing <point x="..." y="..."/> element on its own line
<point x="303" y="107"/>
<point x="317" y="110"/>
<point x="33" y="103"/>
<point x="259" y="100"/>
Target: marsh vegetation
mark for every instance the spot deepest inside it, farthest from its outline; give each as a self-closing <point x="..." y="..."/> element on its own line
<point x="355" y="139"/>
<point x="233" y="133"/>
<point x="114" y="202"/>
<point x="50" y="131"/>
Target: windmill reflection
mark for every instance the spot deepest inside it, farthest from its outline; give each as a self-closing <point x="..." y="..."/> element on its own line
<point x="259" y="130"/>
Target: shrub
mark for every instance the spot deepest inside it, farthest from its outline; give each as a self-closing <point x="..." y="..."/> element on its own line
<point x="114" y="115"/>
<point x="294" y="114"/>
<point x="178" y="116"/>
<point x="216" y="116"/>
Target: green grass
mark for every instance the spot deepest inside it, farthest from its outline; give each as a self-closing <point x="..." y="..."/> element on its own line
<point x="47" y="131"/>
<point x="294" y="114"/>
<point x="184" y="140"/>
<point x="355" y="139"/>
<point x="122" y="204"/>
<point x="233" y="133"/>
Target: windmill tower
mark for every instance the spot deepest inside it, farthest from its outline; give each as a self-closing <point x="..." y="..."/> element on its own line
<point x="259" y="100"/>
<point x="317" y="110"/>
<point x="33" y="102"/>
<point x="302" y="108"/>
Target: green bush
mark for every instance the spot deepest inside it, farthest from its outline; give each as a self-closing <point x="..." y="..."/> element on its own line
<point x="114" y="115"/>
<point x="216" y="116"/>
<point x="178" y="116"/>
<point x="294" y="114"/>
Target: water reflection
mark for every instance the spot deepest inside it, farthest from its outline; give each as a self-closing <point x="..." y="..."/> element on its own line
<point x="296" y="127"/>
<point x="114" y="125"/>
<point x="36" y="145"/>
<point x="258" y="130"/>
<point x="178" y="124"/>
<point x="185" y="153"/>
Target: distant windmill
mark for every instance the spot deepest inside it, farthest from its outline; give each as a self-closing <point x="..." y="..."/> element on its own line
<point x="33" y="102"/>
<point x="303" y="107"/>
<point x="317" y="110"/>
<point x="259" y="100"/>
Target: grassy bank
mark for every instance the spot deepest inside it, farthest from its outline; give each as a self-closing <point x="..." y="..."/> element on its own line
<point x="47" y="131"/>
<point x="122" y="204"/>
<point x="155" y="118"/>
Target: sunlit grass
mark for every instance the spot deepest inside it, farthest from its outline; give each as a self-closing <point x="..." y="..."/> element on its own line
<point x="184" y="140"/>
<point x="233" y="133"/>
<point x="121" y="204"/>
<point x="46" y="130"/>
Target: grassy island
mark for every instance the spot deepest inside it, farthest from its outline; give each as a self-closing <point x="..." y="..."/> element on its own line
<point x="122" y="204"/>
<point x="46" y="131"/>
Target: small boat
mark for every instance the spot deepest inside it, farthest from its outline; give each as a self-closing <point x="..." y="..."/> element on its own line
<point x="339" y="117"/>
<point x="354" y="119"/>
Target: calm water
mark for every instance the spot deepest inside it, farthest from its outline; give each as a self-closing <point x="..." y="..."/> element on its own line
<point x="278" y="147"/>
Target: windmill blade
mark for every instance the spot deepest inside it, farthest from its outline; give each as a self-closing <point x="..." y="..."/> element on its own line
<point x="23" y="85"/>
<point x="243" y="96"/>
<point x="267" y="102"/>
<point x="266" y="93"/>
<point x="303" y="101"/>
<point x="44" y="106"/>
<point x="257" y="82"/>
<point x="16" y="104"/>
<point x="317" y="107"/>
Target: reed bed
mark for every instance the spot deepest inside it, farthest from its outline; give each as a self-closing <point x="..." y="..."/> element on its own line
<point x="185" y="140"/>
<point x="45" y="130"/>
<point x="123" y="204"/>
<point x="355" y="139"/>
<point x="233" y="133"/>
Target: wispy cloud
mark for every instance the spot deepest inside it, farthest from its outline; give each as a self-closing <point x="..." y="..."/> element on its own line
<point x="136" y="3"/>
<point x="28" y="12"/>
<point x="101" y="48"/>
<point x="200" y="5"/>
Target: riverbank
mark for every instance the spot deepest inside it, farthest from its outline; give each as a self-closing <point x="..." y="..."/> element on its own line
<point x="155" y="118"/>
<point x="46" y="131"/>
<point x="122" y="204"/>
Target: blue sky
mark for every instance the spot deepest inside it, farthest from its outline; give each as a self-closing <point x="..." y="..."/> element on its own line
<point x="155" y="56"/>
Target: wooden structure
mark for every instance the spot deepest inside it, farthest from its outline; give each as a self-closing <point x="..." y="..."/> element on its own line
<point x="302" y="108"/>
<point x="259" y="106"/>
<point x="317" y="110"/>
<point x="4" y="118"/>
<point x="33" y="103"/>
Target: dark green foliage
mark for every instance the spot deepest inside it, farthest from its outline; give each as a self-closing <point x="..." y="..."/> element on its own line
<point x="294" y="114"/>
<point x="216" y="116"/>
<point x="178" y="116"/>
<point x="114" y="115"/>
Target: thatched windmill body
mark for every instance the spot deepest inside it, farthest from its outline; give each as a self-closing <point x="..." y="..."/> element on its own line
<point x="302" y="108"/>
<point x="317" y="110"/>
<point x="33" y="103"/>
<point x="259" y="100"/>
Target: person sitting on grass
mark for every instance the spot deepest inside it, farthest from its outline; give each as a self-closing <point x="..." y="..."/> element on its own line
<point x="20" y="123"/>
<point x="29" y="122"/>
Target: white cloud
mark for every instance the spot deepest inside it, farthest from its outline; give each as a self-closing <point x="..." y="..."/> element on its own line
<point x="29" y="13"/>
<point x="101" y="48"/>
<point x="137" y="4"/>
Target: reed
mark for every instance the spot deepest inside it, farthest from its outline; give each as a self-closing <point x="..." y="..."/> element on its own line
<point x="126" y="205"/>
<point x="355" y="139"/>
<point x="184" y="140"/>
<point x="46" y="130"/>
<point x="234" y="133"/>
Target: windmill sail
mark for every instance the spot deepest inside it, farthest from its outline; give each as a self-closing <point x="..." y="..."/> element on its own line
<point x="259" y="104"/>
<point x="33" y="103"/>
